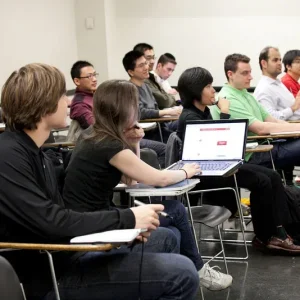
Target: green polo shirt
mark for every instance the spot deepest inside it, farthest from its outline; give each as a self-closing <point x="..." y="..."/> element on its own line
<point x="242" y="106"/>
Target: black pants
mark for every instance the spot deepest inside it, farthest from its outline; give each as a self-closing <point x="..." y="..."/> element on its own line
<point x="158" y="147"/>
<point x="268" y="199"/>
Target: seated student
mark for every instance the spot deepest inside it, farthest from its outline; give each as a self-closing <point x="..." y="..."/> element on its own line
<point x="165" y="83"/>
<point x="291" y="62"/>
<point x="243" y="105"/>
<point x="137" y="68"/>
<point x="268" y="199"/>
<point x="108" y="152"/>
<point x="85" y="78"/>
<point x="270" y="92"/>
<point x="164" y="69"/>
<point x="32" y="210"/>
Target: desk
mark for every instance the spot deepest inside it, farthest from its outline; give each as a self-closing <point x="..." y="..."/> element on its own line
<point x="164" y="192"/>
<point x="260" y="148"/>
<point x="278" y="136"/>
<point x="59" y="144"/>
<point x="2" y="127"/>
<point x="294" y="121"/>
<point x="158" y="121"/>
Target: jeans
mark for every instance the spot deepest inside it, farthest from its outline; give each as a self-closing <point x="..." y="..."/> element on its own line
<point x="269" y="206"/>
<point x="158" y="147"/>
<point x="285" y="154"/>
<point x="115" y="274"/>
<point x="181" y="223"/>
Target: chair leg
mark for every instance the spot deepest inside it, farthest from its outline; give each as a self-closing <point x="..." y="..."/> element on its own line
<point x="23" y="292"/>
<point x="222" y="246"/>
<point x="55" y="285"/>
<point x="191" y="219"/>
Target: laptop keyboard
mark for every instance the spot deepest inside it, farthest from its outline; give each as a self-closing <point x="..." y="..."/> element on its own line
<point x="211" y="166"/>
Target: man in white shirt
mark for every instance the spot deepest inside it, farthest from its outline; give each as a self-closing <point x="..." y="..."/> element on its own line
<point x="271" y="92"/>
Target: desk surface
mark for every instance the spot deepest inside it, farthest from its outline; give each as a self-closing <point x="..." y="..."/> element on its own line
<point x="59" y="144"/>
<point x="159" y="120"/>
<point x="278" y="136"/>
<point x="260" y="148"/>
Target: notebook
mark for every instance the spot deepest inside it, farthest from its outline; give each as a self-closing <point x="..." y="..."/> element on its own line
<point x="184" y="184"/>
<point x="111" y="236"/>
<point x="218" y="146"/>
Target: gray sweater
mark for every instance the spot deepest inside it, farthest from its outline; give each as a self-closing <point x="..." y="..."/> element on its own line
<point x="147" y="105"/>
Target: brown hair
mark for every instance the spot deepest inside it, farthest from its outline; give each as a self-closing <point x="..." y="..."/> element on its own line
<point x="30" y="94"/>
<point x="232" y="60"/>
<point x="114" y="103"/>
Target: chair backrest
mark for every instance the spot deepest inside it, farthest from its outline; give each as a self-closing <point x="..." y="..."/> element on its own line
<point x="173" y="149"/>
<point x="10" y="287"/>
<point x="149" y="156"/>
<point x="74" y="131"/>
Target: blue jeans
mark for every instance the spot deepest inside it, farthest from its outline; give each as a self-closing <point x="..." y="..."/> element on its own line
<point x="180" y="221"/>
<point x="115" y="274"/>
<point x="285" y="154"/>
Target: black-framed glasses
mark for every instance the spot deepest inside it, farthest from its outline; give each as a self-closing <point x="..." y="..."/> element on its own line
<point x="90" y="76"/>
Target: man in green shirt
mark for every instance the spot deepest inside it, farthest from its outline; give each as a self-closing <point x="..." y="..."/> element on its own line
<point x="243" y="105"/>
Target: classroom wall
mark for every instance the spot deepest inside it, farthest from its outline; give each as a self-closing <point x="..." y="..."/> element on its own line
<point x="202" y="33"/>
<point x="37" y="31"/>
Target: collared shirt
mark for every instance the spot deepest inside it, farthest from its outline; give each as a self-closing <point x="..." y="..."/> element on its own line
<point x="164" y="84"/>
<point x="82" y="108"/>
<point x="243" y="105"/>
<point x="273" y="95"/>
<point x="292" y="85"/>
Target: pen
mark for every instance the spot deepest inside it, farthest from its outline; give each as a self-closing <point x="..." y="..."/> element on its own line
<point x="162" y="213"/>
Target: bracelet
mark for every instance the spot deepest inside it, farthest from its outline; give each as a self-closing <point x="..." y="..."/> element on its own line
<point x="186" y="175"/>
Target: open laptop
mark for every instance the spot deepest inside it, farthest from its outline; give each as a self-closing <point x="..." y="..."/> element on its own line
<point x="218" y="146"/>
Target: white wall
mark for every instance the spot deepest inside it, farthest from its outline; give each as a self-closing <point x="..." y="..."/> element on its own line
<point x="202" y="33"/>
<point x="92" y="44"/>
<point x="37" y="31"/>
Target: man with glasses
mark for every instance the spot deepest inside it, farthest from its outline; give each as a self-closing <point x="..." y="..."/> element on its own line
<point x="291" y="61"/>
<point x="85" y="79"/>
<point x="272" y="94"/>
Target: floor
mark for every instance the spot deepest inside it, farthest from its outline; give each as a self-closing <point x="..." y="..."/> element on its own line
<point x="261" y="277"/>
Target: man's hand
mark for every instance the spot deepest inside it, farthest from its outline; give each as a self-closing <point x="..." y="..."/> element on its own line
<point x="134" y="135"/>
<point x="173" y="111"/>
<point x="146" y="216"/>
<point x="172" y="92"/>
<point x="223" y="105"/>
<point x="296" y="105"/>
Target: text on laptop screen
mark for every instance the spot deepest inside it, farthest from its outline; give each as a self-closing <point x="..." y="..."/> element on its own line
<point x="214" y="141"/>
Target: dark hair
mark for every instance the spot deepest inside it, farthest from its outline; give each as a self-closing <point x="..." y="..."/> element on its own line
<point x="142" y="47"/>
<point x="289" y="58"/>
<point x="114" y="102"/>
<point x="264" y="54"/>
<point x="232" y="60"/>
<point x="76" y="68"/>
<point x="29" y="94"/>
<point x="166" y="58"/>
<point x="191" y="84"/>
<point x="130" y="58"/>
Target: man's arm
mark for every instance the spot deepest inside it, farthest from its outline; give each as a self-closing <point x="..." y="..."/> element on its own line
<point x="262" y="128"/>
<point x="147" y="113"/>
<point x="23" y="201"/>
<point x="82" y="113"/>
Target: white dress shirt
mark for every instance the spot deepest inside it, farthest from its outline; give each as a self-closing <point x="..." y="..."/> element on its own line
<point x="276" y="99"/>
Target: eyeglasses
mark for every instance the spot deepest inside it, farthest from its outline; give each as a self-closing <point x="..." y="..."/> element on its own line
<point x="150" y="57"/>
<point x="90" y="76"/>
<point x="143" y="65"/>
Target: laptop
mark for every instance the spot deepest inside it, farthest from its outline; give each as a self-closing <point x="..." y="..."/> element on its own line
<point x="218" y="146"/>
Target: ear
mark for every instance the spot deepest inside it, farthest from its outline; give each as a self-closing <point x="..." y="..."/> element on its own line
<point x="77" y="81"/>
<point x="130" y="73"/>
<point x="264" y="63"/>
<point x="229" y="74"/>
<point x="288" y="67"/>
<point x="159" y="66"/>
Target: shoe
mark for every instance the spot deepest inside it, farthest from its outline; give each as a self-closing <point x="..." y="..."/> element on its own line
<point x="284" y="245"/>
<point x="214" y="280"/>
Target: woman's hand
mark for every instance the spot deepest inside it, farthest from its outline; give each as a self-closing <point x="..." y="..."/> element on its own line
<point x="134" y="135"/>
<point x="192" y="169"/>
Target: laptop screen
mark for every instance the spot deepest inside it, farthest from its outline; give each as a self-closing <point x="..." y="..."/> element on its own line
<point x="214" y="141"/>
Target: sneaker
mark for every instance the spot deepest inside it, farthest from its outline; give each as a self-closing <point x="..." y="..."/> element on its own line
<point x="214" y="280"/>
